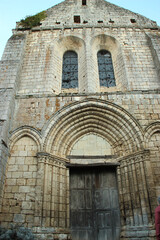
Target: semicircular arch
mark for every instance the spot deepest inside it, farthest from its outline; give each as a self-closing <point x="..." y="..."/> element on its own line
<point x="69" y="43"/>
<point x="61" y="45"/>
<point x="110" y="43"/>
<point x="103" y="41"/>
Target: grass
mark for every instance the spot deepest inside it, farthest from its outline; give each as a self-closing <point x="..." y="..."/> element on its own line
<point x="33" y="21"/>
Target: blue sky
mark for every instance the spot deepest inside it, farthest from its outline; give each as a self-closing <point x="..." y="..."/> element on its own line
<point x="12" y="11"/>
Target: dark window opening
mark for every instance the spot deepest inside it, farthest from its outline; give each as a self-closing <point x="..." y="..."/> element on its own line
<point x="57" y="22"/>
<point x="133" y="20"/>
<point x="70" y="70"/>
<point x="111" y="21"/>
<point x="105" y="67"/>
<point x="84" y="2"/>
<point x="100" y="21"/>
<point x="77" y="19"/>
<point x="85" y="22"/>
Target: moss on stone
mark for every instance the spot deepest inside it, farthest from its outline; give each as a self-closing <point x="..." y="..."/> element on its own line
<point x="33" y="21"/>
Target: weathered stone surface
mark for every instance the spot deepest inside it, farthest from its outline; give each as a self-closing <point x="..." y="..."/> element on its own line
<point x="41" y="123"/>
<point x="19" y="218"/>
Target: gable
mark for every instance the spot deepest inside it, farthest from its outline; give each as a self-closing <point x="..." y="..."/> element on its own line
<point x="98" y="13"/>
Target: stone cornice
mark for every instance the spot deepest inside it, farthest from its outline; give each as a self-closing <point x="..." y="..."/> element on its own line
<point x="82" y="26"/>
<point x="43" y="95"/>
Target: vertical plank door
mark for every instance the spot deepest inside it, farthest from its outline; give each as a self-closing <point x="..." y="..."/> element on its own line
<point x="94" y="207"/>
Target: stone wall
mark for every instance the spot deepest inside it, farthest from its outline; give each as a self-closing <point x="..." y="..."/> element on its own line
<point x="95" y="12"/>
<point x="10" y="66"/>
<point x="143" y="105"/>
<point x="133" y="60"/>
<point x="18" y="203"/>
<point x="41" y="123"/>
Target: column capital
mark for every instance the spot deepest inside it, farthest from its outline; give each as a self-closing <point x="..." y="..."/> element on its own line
<point x="51" y="159"/>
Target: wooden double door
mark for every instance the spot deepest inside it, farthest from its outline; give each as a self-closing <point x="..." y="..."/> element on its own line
<point x="94" y="205"/>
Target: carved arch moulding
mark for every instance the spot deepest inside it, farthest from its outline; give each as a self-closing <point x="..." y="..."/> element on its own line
<point x="151" y="129"/>
<point x="88" y="116"/>
<point x="125" y="136"/>
<point x="106" y="119"/>
<point x="26" y="131"/>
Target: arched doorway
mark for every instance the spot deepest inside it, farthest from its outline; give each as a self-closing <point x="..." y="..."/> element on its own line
<point x="122" y="157"/>
<point x="94" y="203"/>
<point x="125" y="137"/>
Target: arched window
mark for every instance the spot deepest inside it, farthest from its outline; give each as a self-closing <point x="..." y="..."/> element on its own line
<point x="105" y="66"/>
<point x="70" y="70"/>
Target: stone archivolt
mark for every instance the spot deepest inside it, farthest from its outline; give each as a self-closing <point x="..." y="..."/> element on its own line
<point x="26" y="131"/>
<point x="151" y="130"/>
<point x="104" y="118"/>
<point x="48" y="120"/>
<point x="54" y="142"/>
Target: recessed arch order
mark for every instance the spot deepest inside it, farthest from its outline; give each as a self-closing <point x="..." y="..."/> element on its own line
<point x="100" y="117"/>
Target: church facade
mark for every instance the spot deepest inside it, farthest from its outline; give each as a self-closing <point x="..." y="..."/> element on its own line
<point x="80" y="124"/>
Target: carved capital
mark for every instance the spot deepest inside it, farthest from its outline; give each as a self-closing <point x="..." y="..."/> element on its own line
<point x="47" y="158"/>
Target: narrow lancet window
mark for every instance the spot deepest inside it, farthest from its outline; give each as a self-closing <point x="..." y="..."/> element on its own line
<point x="106" y="71"/>
<point x="70" y="70"/>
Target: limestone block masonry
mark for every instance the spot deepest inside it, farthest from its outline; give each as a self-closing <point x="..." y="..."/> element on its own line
<point x="46" y="129"/>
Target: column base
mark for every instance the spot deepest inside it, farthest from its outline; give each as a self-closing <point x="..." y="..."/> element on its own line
<point x="138" y="233"/>
<point x="42" y="233"/>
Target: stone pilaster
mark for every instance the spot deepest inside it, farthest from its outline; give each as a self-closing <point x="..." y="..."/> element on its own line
<point x="39" y="190"/>
<point x="52" y="192"/>
<point x="137" y="195"/>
